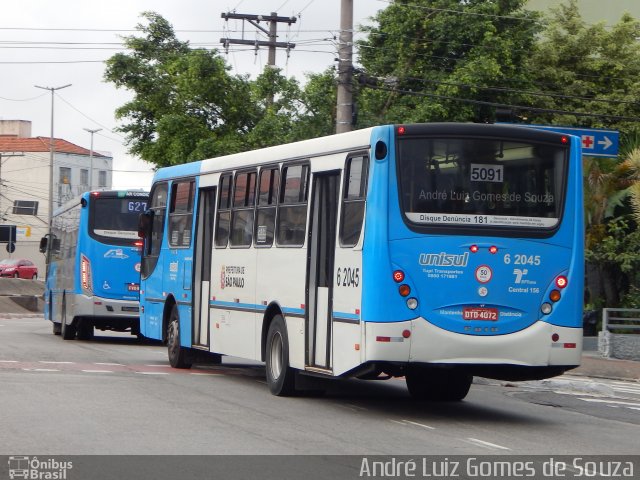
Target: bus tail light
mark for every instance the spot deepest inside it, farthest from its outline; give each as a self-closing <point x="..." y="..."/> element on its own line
<point x="404" y="290"/>
<point x="554" y="296"/>
<point x="474" y="248"/>
<point x="85" y="273"/>
<point x="546" y="308"/>
<point x="493" y="249"/>
<point x="398" y="276"/>
<point x="562" y="281"/>
<point x="412" y="303"/>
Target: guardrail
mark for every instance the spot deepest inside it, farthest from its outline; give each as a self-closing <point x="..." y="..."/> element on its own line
<point x="620" y="335"/>
<point x="621" y="320"/>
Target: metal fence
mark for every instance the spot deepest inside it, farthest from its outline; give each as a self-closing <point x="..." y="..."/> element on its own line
<point x="621" y="320"/>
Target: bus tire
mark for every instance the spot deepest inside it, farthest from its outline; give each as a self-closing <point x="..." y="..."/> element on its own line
<point x="437" y="385"/>
<point x="85" y="329"/>
<point x="68" y="332"/>
<point x="280" y="376"/>
<point x="179" y="357"/>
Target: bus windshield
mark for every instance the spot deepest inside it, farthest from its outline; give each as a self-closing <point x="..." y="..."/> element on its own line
<point x="115" y="220"/>
<point x="481" y="182"/>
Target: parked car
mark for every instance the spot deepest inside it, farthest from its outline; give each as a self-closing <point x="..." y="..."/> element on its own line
<point x="18" y="268"/>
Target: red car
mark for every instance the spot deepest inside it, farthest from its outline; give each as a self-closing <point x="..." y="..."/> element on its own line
<point x="18" y="268"/>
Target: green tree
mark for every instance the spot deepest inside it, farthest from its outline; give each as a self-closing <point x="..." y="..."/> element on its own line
<point x="590" y="69"/>
<point x="422" y="56"/>
<point x="185" y="103"/>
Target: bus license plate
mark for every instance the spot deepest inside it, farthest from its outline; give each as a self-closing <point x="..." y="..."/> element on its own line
<point x="133" y="287"/>
<point x="478" y="313"/>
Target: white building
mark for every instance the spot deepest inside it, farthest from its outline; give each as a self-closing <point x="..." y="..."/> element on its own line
<point x="24" y="183"/>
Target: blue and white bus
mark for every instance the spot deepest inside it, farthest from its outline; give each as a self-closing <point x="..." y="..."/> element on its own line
<point x="431" y="251"/>
<point x="93" y="266"/>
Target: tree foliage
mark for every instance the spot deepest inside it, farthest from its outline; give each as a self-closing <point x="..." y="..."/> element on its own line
<point x="187" y="106"/>
<point x="591" y="69"/>
<point x="440" y="60"/>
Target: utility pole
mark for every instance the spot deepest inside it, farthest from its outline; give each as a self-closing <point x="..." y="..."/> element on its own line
<point x="91" y="157"/>
<point x="344" y="113"/>
<point x="272" y="34"/>
<point x="52" y="148"/>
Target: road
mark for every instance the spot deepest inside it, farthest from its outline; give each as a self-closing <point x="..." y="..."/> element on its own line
<point x="114" y="395"/>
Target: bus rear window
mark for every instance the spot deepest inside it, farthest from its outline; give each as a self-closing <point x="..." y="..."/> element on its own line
<point x="115" y="220"/>
<point x="481" y="182"/>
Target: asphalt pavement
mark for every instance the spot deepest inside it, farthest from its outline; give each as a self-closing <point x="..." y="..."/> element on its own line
<point x="593" y="364"/>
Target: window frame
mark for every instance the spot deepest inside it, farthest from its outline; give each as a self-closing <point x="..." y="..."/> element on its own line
<point x="274" y="193"/>
<point x="306" y="167"/>
<point x="244" y="208"/>
<point x="362" y="198"/>
<point x="173" y="214"/>
<point x="220" y="209"/>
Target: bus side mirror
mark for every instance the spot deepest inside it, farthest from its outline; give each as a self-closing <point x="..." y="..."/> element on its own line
<point x="144" y="223"/>
<point x="44" y="242"/>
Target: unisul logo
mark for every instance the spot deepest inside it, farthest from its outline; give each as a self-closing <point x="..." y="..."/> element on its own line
<point x="444" y="259"/>
<point x="35" y="469"/>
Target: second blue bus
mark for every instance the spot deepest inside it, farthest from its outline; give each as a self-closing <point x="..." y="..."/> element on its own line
<point x="93" y="269"/>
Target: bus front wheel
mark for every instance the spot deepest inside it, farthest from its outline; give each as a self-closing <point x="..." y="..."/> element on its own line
<point x="179" y="357"/>
<point x="438" y="385"/>
<point x="280" y="376"/>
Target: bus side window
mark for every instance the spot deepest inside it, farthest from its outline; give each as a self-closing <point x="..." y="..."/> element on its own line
<point x="292" y="211"/>
<point x="353" y="200"/>
<point x="242" y="214"/>
<point x="224" y="212"/>
<point x="157" y="204"/>
<point x="267" y="201"/>
<point x="181" y="213"/>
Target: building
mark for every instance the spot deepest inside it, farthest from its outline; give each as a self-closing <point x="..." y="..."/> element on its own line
<point x="24" y="183"/>
<point x="594" y="11"/>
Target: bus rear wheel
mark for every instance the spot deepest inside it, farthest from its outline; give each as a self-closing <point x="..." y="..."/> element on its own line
<point x="438" y="385"/>
<point x="179" y="357"/>
<point x="68" y="332"/>
<point x="280" y="376"/>
<point x="85" y="329"/>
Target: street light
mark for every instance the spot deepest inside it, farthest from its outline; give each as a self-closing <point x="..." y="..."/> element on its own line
<point x="51" y="151"/>
<point x="91" y="157"/>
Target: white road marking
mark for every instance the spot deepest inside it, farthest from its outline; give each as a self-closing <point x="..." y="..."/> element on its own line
<point x="419" y="424"/>
<point x="482" y="443"/>
<point x="602" y="400"/>
<point x="97" y="371"/>
<point x="8" y="361"/>
<point x="155" y="365"/>
<point x="53" y="363"/>
<point x="109" y="364"/>
<point x="153" y="373"/>
<point x="357" y="407"/>
<point x="40" y="369"/>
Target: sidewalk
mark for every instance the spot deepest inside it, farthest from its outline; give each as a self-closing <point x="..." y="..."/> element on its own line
<point x="593" y="365"/>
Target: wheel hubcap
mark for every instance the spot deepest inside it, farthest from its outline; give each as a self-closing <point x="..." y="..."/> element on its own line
<point x="275" y="365"/>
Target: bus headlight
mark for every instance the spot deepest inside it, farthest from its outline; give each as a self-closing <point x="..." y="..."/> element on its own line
<point x="412" y="303"/>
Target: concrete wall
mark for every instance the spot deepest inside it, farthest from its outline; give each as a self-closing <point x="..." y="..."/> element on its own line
<point x="621" y="346"/>
<point x="20" y="128"/>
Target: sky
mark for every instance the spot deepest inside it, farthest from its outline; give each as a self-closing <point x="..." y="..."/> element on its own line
<point x="51" y="44"/>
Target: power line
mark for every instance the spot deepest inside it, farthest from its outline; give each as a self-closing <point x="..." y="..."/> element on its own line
<point x="504" y="105"/>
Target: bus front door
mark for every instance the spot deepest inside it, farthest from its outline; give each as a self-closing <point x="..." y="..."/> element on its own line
<point x="202" y="269"/>
<point x="320" y="263"/>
